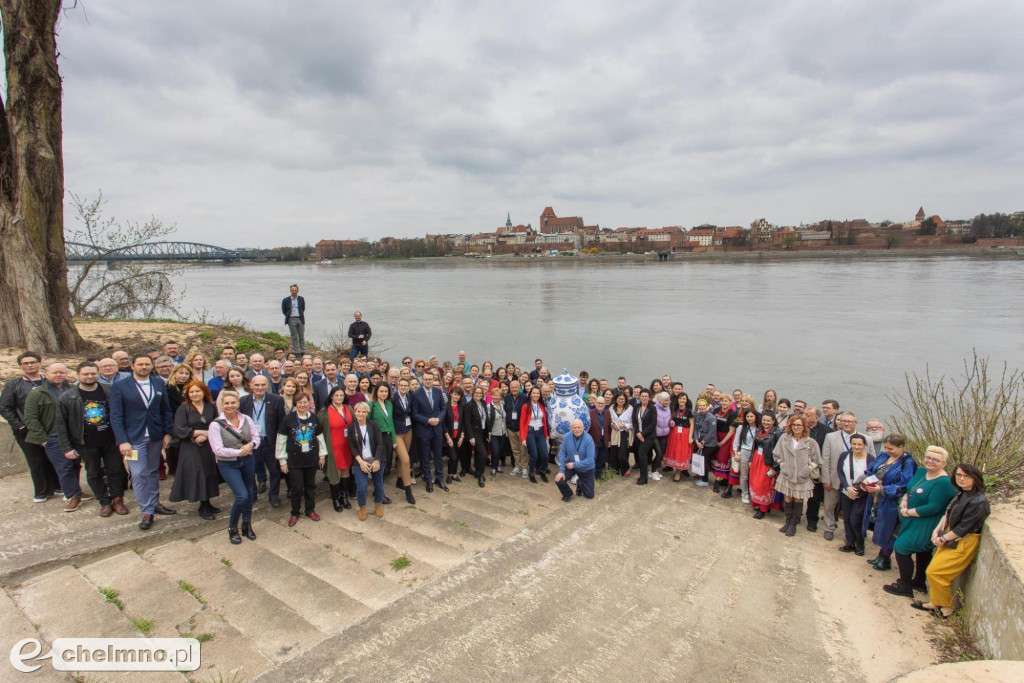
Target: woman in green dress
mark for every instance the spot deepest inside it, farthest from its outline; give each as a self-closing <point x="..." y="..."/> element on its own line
<point x="921" y="508"/>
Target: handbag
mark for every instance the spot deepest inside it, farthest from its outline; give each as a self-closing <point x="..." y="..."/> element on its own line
<point x="698" y="464"/>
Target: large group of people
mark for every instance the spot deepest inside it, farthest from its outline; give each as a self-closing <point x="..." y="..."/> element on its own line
<point x="252" y="423"/>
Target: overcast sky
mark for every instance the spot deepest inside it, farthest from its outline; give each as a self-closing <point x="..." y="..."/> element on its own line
<point x="269" y="123"/>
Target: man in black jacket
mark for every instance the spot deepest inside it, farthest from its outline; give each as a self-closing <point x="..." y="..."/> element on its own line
<point x="12" y="408"/>
<point x="267" y="411"/>
<point x="359" y="332"/>
<point x="818" y="432"/>
<point x="83" y="429"/>
<point x="293" y="308"/>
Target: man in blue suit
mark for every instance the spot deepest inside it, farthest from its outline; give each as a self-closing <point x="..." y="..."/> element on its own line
<point x="294" y="309"/>
<point x="427" y="408"/>
<point x="140" y="415"/>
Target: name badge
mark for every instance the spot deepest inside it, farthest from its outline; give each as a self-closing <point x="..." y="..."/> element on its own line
<point x="345" y="432"/>
<point x="455" y="424"/>
<point x="305" y="447"/>
<point x="679" y="430"/>
<point x="408" y="422"/>
<point x="576" y="457"/>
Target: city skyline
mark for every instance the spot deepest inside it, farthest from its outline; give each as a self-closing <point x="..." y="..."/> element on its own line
<point x="252" y="123"/>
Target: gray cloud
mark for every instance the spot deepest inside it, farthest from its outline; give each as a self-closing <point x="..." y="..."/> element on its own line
<point x="275" y="123"/>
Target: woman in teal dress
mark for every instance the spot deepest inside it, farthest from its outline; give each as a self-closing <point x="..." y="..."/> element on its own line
<point x="921" y="508"/>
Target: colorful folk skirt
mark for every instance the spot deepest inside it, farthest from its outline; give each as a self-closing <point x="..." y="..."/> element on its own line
<point x="679" y="451"/>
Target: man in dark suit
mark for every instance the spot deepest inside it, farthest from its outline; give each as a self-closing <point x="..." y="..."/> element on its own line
<point x="294" y="310"/>
<point x="140" y="415"/>
<point x="428" y="409"/>
<point x="322" y="388"/>
<point x="818" y="432"/>
<point x="267" y="411"/>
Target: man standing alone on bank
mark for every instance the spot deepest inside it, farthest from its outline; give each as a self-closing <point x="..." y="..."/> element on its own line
<point x="294" y="310"/>
<point x="359" y="332"/>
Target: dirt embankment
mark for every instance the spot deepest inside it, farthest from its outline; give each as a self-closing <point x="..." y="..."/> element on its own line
<point x="108" y="336"/>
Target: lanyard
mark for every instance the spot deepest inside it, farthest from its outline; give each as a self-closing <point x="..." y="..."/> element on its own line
<point x="146" y="394"/>
<point x="257" y="414"/>
<point x="577" y="443"/>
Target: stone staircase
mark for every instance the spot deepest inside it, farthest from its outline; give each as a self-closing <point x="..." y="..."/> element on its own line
<point x="259" y="604"/>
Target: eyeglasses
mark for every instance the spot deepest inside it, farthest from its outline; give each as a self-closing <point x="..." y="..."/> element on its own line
<point x="961" y="475"/>
<point x="931" y="459"/>
<point x="406" y="362"/>
<point x="29" y="362"/>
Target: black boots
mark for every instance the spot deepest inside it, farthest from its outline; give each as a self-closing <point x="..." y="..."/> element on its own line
<point x="728" y="492"/>
<point x="233" y="536"/>
<point x="247" y="531"/>
<point x="899" y="588"/>
<point x="798" y="512"/>
<point x="409" y="498"/>
<point x="787" y="510"/>
<point x="204" y="510"/>
<point x="794" y="511"/>
<point x="344" y="498"/>
<point x="881" y="563"/>
<point x="336" y="497"/>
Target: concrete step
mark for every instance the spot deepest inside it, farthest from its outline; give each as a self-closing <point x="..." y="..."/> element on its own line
<point x="146" y="592"/>
<point x="455" y="509"/>
<point x="403" y="540"/>
<point x="274" y="627"/>
<point x="336" y="583"/>
<point x="15" y="626"/>
<point x="377" y="557"/>
<point x="437" y="528"/>
<point x="501" y="509"/>
<point x="66" y="605"/>
<point x="224" y="650"/>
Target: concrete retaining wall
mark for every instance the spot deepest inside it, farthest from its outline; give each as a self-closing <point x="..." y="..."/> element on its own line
<point x="12" y="460"/>
<point x="993" y="586"/>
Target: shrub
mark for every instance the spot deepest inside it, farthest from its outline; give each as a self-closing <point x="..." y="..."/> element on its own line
<point x="248" y="345"/>
<point x="978" y="417"/>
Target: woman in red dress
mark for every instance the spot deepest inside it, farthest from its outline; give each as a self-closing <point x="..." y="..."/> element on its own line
<point x="763" y="497"/>
<point x="679" y="451"/>
<point x="722" y="463"/>
<point x="336" y="418"/>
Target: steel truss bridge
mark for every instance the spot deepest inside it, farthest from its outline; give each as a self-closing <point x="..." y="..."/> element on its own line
<point x="162" y="251"/>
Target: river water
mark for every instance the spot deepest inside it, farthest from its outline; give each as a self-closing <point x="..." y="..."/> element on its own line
<point x="810" y="328"/>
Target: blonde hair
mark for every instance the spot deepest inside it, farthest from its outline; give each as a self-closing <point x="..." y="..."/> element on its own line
<point x="940" y="451"/>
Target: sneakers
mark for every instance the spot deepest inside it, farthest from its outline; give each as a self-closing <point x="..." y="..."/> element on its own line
<point x="656" y="476"/>
<point x="494" y="471"/>
<point x="746" y="499"/>
<point x="40" y="499"/>
<point x="575" y="479"/>
<point x="525" y="474"/>
<point x="515" y="471"/>
<point x="73" y="503"/>
<point x="701" y="483"/>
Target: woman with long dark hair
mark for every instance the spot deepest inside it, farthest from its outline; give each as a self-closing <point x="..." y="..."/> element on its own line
<point x="533" y="432"/>
<point x="335" y="419"/>
<point x="619" y="433"/>
<point x="474" y="417"/>
<point x="763" y="497"/>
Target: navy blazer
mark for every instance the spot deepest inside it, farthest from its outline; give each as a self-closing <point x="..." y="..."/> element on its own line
<point x="273" y="414"/>
<point x="400" y="413"/>
<point x="321" y="392"/>
<point x="421" y="412"/>
<point x="130" y="417"/>
<point x="844" y="471"/>
<point x="286" y="308"/>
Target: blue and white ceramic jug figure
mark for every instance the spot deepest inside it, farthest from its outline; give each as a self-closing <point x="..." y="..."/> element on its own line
<point x="566" y="405"/>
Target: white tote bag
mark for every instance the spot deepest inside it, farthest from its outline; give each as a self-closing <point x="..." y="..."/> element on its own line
<point x="698" y="466"/>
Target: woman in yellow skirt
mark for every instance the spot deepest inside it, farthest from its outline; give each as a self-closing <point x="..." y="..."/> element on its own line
<point x="956" y="539"/>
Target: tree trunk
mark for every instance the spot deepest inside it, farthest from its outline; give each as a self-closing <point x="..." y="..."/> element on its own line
<point x="34" y="294"/>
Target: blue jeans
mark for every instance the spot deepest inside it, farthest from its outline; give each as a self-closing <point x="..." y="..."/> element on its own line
<point x="362" y="479"/>
<point x="67" y="470"/>
<point x="238" y="475"/>
<point x="359" y="349"/>
<point x="537" y="445"/>
<point x="145" y="474"/>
